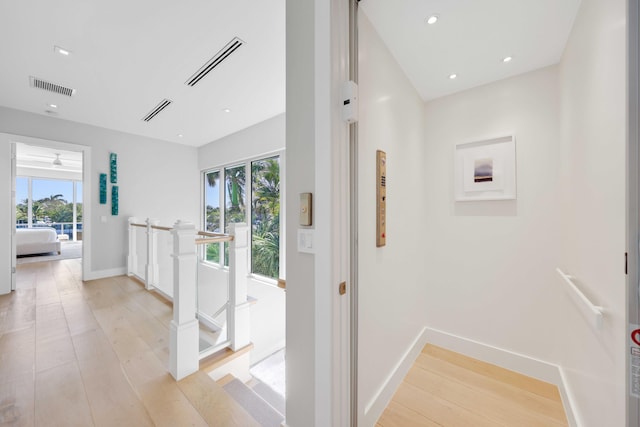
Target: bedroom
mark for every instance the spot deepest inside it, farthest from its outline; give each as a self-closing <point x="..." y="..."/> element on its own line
<point x="48" y="204"/>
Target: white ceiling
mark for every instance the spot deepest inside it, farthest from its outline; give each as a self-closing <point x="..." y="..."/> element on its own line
<point x="129" y="55"/>
<point x="36" y="157"/>
<point x="471" y="38"/>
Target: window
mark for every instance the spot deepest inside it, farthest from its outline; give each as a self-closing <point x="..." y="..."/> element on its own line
<point x="261" y="178"/>
<point x="234" y="200"/>
<point x="50" y="203"/>
<point x="265" y="217"/>
<point x="212" y="212"/>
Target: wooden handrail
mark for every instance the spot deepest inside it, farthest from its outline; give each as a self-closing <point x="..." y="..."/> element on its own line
<point x="205" y="240"/>
<point x="209" y="234"/>
<point x="208" y="237"/>
<point x="157" y="227"/>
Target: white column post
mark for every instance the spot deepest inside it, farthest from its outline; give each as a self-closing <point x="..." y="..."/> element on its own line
<point x="183" y="349"/>
<point x="132" y="258"/>
<point x="239" y="314"/>
<point x="151" y="268"/>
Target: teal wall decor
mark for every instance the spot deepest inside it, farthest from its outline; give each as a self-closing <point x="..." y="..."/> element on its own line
<point x="113" y="165"/>
<point x="103" y="188"/>
<point x="114" y="200"/>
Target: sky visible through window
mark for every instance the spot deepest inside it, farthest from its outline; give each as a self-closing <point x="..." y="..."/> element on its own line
<point x="212" y="193"/>
<point x="47" y="187"/>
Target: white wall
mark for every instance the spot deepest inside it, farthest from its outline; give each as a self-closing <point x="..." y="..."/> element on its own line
<point x="268" y="314"/>
<point x="300" y="158"/>
<point x="5" y="215"/>
<point x="156" y="178"/>
<point x="260" y="139"/>
<point x="317" y="155"/>
<point x="491" y="264"/>
<point x="393" y="280"/>
<point x="593" y="165"/>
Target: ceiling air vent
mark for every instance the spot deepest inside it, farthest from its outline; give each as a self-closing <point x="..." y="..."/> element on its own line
<point x="51" y="87"/>
<point x="161" y="106"/>
<point x="223" y="54"/>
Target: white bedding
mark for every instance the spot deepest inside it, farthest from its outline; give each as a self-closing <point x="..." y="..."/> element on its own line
<point x="36" y="241"/>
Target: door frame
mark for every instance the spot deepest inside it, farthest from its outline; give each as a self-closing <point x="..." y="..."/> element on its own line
<point x="87" y="200"/>
<point x="633" y="196"/>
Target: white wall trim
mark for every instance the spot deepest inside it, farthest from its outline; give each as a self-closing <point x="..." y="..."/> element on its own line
<point x="507" y="359"/>
<point x="568" y="400"/>
<point x="381" y="399"/>
<point x="102" y="274"/>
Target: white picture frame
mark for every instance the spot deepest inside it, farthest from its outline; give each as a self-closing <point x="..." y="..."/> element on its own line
<point x="485" y="170"/>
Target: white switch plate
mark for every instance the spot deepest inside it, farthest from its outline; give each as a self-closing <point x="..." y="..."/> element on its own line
<point x="305" y="240"/>
<point x="103" y="219"/>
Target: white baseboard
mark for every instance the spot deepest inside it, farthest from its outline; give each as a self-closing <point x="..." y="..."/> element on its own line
<point x="381" y="399"/>
<point x="517" y="362"/>
<point x="101" y="274"/>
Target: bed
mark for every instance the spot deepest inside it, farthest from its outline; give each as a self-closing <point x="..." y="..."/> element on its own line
<point x="30" y="241"/>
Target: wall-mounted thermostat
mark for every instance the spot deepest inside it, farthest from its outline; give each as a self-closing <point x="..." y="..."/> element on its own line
<point x="381" y="198"/>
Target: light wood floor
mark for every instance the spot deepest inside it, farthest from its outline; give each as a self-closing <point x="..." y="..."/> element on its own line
<point x="447" y="389"/>
<point x="95" y="353"/>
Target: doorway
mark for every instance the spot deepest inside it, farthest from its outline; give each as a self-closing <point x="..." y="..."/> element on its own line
<point x="48" y="204"/>
<point x="50" y="184"/>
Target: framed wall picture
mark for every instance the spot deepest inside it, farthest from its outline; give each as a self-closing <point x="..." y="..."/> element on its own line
<point x="486" y="170"/>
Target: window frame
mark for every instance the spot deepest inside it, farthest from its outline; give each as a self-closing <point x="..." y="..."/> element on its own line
<point x="246" y="162"/>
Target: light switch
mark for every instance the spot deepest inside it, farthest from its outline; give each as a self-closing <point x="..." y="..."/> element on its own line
<point x="103" y="219"/>
<point x="305" y="209"/>
<point x="305" y="240"/>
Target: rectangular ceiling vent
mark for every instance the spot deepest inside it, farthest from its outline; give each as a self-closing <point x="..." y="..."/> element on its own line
<point x="223" y="54"/>
<point x="51" y="87"/>
<point x="161" y="106"/>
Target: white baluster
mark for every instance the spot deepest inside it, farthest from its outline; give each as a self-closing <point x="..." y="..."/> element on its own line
<point x="152" y="269"/>
<point x="132" y="258"/>
<point x="240" y="313"/>
<point x="184" y="350"/>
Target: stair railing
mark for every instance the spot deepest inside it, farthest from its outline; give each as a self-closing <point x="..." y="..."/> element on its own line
<point x="184" y="329"/>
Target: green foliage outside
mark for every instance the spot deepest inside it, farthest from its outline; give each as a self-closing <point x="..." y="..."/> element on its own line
<point x="49" y="210"/>
<point x="265" y="220"/>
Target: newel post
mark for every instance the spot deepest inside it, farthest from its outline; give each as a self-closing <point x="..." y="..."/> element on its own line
<point x="184" y="350"/>
<point x="152" y="268"/>
<point x="240" y="313"/>
<point x="132" y="258"/>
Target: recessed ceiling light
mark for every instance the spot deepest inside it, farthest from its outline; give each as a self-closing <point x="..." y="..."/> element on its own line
<point x="62" y="51"/>
<point x="453" y="76"/>
<point x="52" y="106"/>
<point x="432" y="19"/>
<point x="507" y="59"/>
<point x="227" y="110"/>
<point x="180" y="135"/>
